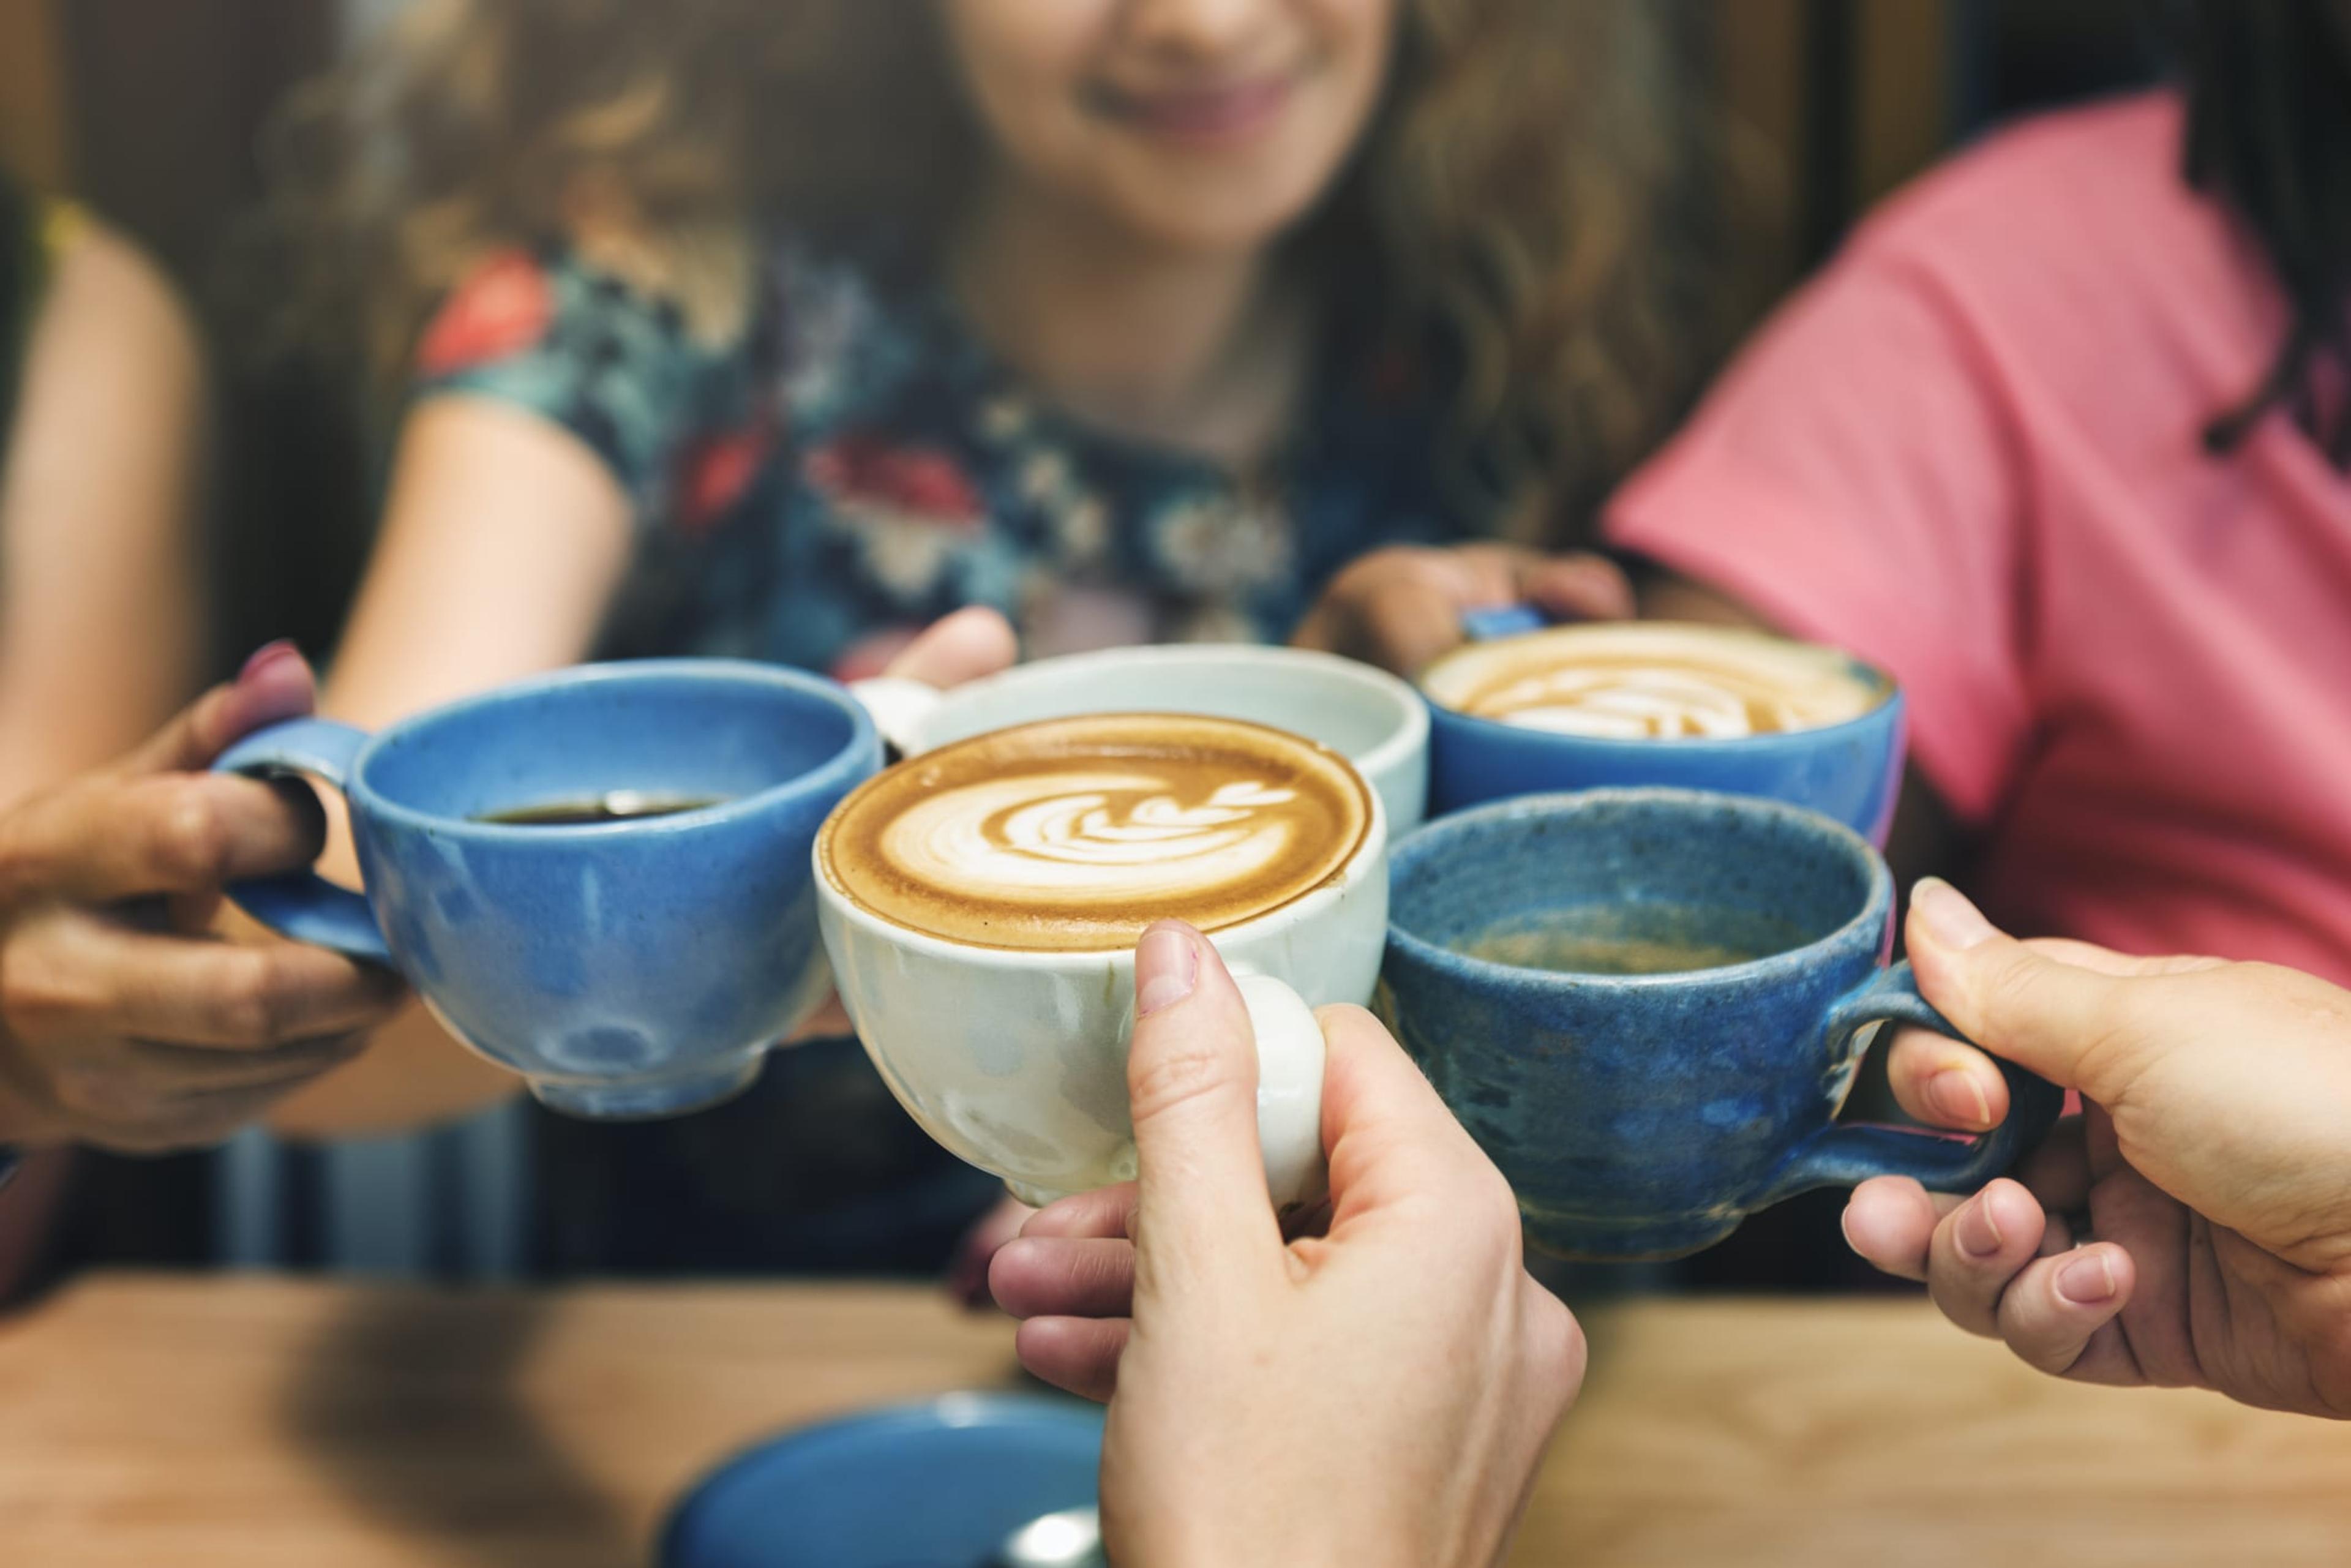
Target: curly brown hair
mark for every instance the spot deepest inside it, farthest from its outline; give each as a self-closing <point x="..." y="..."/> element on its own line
<point x="1537" y="193"/>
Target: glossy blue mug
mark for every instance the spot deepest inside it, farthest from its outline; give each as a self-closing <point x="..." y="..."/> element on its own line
<point x="1850" y="771"/>
<point x="1646" y="1115"/>
<point x="628" y="968"/>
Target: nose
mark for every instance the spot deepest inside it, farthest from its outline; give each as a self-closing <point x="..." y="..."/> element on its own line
<point x="1200" y="28"/>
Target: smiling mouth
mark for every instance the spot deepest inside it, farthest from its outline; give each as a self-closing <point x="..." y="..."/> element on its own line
<point x="1214" y="117"/>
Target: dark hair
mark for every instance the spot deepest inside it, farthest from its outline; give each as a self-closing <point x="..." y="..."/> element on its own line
<point x="20" y="269"/>
<point x="2269" y="132"/>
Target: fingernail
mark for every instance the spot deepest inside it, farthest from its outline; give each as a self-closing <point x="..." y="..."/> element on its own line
<point x="268" y="656"/>
<point x="1164" y="968"/>
<point x="1949" y="918"/>
<point x="2088" y="1282"/>
<point x="1958" y="1099"/>
<point x="1977" y="1232"/>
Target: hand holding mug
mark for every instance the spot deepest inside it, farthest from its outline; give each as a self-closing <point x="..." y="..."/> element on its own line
<point x="1378" y="1394"/>
<point x="124" y="1021"/>
<point x="1401" y="607"/>
<point x="2193" y="1226"/>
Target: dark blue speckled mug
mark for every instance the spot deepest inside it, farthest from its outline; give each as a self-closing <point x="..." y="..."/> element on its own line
<point x="628" y="968"/>
<point x="1646" y="1115"/>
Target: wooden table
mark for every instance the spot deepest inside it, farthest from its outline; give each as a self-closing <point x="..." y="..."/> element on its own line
<point x="169" y="1422"/>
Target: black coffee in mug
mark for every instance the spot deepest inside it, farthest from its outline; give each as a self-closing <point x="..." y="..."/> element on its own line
<point x="615" y="805"/>
<point x="1634" y="938"/>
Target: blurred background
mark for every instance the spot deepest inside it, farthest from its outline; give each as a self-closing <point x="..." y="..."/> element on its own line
<point x="151" y="112"/>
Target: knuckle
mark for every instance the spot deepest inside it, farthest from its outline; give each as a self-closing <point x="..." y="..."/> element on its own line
<point x="1168" y="1081"/>
<point x="191" y="838"/>
<point x="1556" y="1350"/>
<point x="98" y="1090"/>
<point x="35" y="999"/>
<point x="252" y="1006"/>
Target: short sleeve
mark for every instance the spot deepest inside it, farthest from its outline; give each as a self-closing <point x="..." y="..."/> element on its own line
<point x="1854" y="480"/>
<point x="675" y="419"/>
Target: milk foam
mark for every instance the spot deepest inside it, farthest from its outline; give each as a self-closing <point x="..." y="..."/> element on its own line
<point x="1092" y="835"/>
<point x="1655" y="681"/>
<point x="1076" y="833"/>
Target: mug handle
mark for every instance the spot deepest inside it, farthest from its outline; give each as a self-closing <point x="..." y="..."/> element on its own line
<point x="1846" y="1156"/>
<point x="1289" y="1056"/>
<point x="899" y="707"/>
<point x="302" y="905"/>
<point x="1503" y="620"/>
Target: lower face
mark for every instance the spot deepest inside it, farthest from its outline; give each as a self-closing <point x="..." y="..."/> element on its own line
<point x="1198" y="124"/>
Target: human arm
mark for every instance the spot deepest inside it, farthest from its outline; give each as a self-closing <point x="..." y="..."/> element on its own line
<point x="100" y="618"/>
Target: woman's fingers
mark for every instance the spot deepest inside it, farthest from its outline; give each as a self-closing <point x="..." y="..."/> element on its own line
<point x="110" y="838"/>
<point x="973" y="641"/>
<point x="1038" y="1277"/>
<point x="1106" y="1211"/>
<point x="2058" y="1172"/>
<point x="1577" y="587"/>
<point x="1890" y="1221"/>
<point x="1945" y="1084"/>
<point x="1077" y="1354"/>
<point x="2058" y="1314"/>
<point x="1977" y="1251"/>
<point x="72" y="973"/>
<point x="181" y="1072"/>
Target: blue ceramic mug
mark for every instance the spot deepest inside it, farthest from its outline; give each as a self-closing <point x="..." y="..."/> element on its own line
<point x="1645" y="1114"/>
<point x="630" y="968"/>
<point x="1850" y="770"/>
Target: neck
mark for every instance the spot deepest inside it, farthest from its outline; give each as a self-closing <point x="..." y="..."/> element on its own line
<point x="1184" y="347"/>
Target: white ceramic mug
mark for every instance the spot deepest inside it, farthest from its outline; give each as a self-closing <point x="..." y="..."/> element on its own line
<point x="1015" y="1059"/>
<point x="1367" y="716"/>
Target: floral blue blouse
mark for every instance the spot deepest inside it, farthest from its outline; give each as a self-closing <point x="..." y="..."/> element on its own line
<point x="857" y="463"/>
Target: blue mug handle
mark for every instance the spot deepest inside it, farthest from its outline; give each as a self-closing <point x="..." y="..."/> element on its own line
<point x="1504" y="620"/>
<point x="1847" y="1156"/>
<point x="303" y="904"/>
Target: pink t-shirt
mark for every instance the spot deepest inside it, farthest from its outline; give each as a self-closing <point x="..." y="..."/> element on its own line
<point x="1970" y="451"/>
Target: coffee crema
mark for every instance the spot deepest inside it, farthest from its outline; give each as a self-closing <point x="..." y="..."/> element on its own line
<point x="1073" y="834"/>
<point x="1656" y="681"/>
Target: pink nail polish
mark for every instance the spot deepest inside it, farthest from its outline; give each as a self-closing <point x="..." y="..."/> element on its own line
<point x="267" y="656"/>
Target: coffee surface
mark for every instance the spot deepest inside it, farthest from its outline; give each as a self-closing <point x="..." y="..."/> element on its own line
<point x="1074" y="834"/>
<point x="616" y="806"/>
<point x="1643" y="681"/>
<point x="1641" y="938"/>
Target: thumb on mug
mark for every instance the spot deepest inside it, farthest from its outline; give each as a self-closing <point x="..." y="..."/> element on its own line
<point x="1191" y="1074"/>
<point x="2032" y="1008"/>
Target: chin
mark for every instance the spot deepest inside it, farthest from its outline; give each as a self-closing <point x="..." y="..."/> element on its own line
<point x="1218" y="214"/>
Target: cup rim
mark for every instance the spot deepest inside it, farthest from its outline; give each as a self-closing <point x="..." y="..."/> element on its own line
<point x="1371" y="852"/>
<point x="1411" y="710"/>
<point x="1890" y="703"/>
<point x="1869" y="923"/>
<point x="841" y="768"/>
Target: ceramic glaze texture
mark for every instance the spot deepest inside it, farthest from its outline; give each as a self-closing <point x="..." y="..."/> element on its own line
<point x="1849" y="771"/>
<point x="625" y="969"/>
<point x="1375" y="721"/>
<point x="1646" y="1115"/>
<point x="1016" y="1060"/>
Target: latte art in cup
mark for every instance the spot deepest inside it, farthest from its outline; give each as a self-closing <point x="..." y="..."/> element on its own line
<point x="1074" y="834"/>
<point x="1655" y="681"/>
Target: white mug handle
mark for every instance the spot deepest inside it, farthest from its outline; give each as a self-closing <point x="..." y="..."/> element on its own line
<point x="899" y="707"/>
<point x="1290" y="1053"/>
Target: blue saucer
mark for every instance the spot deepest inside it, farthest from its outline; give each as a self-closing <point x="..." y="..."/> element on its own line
<point x="935" y="1485"/>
